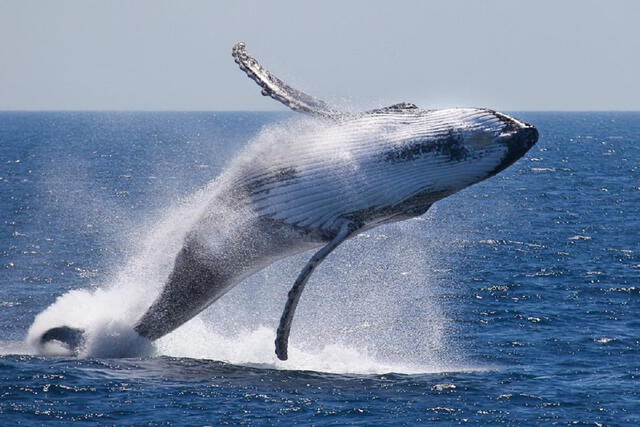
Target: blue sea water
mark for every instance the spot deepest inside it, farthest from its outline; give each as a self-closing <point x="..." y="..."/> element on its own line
<point x="513" y="302"/>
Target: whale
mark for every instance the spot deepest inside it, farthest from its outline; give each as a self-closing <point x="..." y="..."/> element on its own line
<point x="314" y="186"/>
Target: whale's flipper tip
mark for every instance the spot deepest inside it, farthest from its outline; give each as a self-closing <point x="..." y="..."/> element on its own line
<point x="279" y="90"/>
<point x="282" y="346"/>
<point x="72" y="338"/>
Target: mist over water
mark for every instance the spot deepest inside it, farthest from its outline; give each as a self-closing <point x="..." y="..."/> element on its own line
<point x="350" y="319"/>
<point x="358" y="314"/>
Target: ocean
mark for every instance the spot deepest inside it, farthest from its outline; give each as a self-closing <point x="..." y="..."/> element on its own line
<point x="513" y="302"/>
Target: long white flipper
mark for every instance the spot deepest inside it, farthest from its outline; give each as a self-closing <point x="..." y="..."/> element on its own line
<point x="293" y="297"/>
<point x="279" y="90"/>
<point x="294" y="98"/>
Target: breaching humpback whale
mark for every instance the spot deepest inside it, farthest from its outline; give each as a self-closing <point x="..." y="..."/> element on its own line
<point x="349" y="172"/>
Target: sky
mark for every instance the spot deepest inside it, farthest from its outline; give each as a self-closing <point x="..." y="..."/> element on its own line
<point x="162" y="55"/>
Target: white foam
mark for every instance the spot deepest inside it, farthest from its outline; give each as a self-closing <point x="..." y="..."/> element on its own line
<point x="108" y="312"/>
<point x="359" y="314"/>
<point x="255" y="348"/>
<point x="15" y="347"/>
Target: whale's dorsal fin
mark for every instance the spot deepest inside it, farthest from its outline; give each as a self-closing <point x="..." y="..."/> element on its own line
<point x="282" y="338"/>
<point x="395" y="108"/>
<point x="279" y="90"/>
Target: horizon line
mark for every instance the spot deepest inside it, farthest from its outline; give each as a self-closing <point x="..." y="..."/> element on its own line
<point x="289" y="111"/>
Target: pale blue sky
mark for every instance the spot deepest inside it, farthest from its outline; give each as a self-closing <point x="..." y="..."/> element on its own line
<point x="160" y="55"/>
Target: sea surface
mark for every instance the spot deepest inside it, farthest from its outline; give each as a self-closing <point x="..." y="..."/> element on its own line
<point x="513" y="302"/>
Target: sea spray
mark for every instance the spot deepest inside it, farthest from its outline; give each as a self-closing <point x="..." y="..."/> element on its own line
<point x="350" y="309"/>
<point x="254" y="348"/>
<point x="108" y="312"/>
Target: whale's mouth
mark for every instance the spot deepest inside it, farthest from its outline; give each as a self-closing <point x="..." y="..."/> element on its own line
<point x="522" y="139"/>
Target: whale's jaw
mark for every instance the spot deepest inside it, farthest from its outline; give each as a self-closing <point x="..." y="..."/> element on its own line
<point x="518" y="141"/>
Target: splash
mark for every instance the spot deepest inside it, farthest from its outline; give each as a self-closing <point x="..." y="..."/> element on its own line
<point x="368" y="309"/>
<point x="107" y="313"/>
<point x="254" y="348"/>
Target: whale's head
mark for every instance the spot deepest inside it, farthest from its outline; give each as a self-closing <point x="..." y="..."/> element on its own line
<point x="484" y="144"/>
<point x="453" y="149"/>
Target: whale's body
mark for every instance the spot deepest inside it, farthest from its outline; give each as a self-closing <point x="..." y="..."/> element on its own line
<point x="320" y="184"/>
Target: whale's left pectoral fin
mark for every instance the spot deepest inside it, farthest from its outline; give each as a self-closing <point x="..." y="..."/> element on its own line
<point x="282" y="338"/>
<point x="279" y="90"/>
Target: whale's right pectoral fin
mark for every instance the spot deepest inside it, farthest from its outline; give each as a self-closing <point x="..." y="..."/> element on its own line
<point x="279" y="90"/>
<point x="282" y="338"/>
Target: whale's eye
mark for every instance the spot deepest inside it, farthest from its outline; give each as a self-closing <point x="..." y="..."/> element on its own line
<point x="479" y="139"/>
